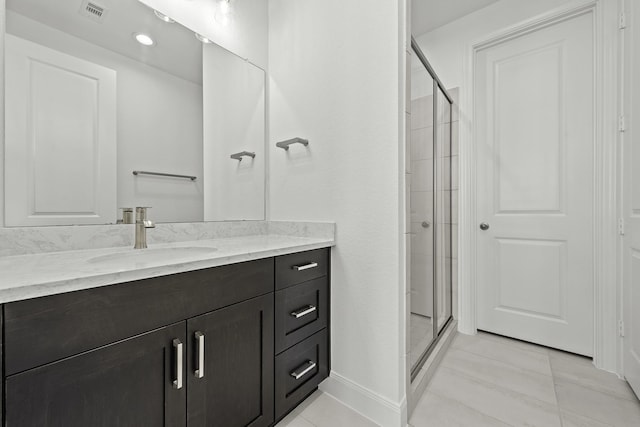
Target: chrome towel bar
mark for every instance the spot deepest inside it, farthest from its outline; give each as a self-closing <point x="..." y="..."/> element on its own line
<point x="192" y="178"/>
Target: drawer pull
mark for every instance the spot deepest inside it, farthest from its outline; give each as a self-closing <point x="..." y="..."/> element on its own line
<point x="305" y="267"/>
<point x="297" y="374"/>
<point x="303" y="311"/>
<point x="200" y="350"/>
<point x="177" y="345"/>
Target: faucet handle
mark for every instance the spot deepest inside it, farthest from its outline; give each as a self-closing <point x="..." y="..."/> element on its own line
<point x="141" y="212"/>
<point x="127" y="216"/>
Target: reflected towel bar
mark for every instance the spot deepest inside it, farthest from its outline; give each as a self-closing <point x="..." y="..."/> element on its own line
<point x="285" y="144"/>
<point x="192" y="178"/>
<point x="240" y="155"/>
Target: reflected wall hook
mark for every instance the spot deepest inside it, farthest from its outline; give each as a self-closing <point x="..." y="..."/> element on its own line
<point x="285" y="144"/>
<point x="240" y="155"/>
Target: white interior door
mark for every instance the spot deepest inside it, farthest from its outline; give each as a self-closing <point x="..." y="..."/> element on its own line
<point x="60" y="145"/>
<point x="631" y="260"/>
<point x="534" y="133"/>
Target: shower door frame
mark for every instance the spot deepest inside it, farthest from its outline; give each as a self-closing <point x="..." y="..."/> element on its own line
<point x="438" y="330"/>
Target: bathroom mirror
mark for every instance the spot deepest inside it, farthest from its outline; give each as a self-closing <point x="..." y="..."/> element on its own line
<point x="96" y="90"/>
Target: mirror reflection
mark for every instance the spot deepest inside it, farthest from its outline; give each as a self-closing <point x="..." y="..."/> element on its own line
<point x="98" y="90"/>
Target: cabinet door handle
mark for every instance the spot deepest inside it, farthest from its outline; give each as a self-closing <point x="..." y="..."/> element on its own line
<point x="200" y="350"/>
<point x="306" y="368"/>
<point x="303" y="311"/>
<point x="305" y="267"/>
<point x="177" y="345"/>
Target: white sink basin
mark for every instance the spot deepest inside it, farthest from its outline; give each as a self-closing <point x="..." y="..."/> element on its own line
<point x="156" y="256"/>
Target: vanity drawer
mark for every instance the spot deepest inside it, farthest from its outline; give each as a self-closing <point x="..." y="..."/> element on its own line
<point x="301" y="311"/>
<point x="300" y="267"/>
<point x="42" y="330"/>
<point x="299" y="370"/>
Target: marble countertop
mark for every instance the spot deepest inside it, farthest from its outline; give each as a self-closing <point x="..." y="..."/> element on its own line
<point x="30" y="276"/>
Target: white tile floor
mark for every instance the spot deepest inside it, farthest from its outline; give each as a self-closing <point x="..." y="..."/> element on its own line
<point x="486" y="380"/>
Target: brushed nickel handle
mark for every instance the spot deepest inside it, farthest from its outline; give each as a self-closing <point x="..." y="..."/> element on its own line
<point x="200" y="349"/>
<point x="303" y="311"/>
<point x="309" y="366"/>
<point x="305" y="267"/>
<point x="177" y="345"/>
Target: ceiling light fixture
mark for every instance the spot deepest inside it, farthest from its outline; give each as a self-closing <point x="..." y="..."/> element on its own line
<point x="144" y="39"/>
<point x="163" y="17"/>
<point x="202" y="38"/>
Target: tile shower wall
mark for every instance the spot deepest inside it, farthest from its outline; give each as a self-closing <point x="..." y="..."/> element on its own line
<point x="420" y="164"/>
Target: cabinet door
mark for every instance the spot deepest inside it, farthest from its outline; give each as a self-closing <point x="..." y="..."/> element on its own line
<point x="128" y="383"/>
<point x="231" y="381"/>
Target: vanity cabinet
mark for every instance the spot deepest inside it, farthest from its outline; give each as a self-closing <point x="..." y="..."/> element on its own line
<point x="230" y="368"/>
<point x="127" y="383"/>
<point x="189" y="349"/>
<point x="302" y="320"/>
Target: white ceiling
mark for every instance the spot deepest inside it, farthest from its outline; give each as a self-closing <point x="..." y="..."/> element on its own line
<point x="427" y="15"/>
<point x="176" y="50"/>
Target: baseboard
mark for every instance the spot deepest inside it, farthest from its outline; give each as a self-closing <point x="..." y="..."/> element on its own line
<point x="371" y="405"/>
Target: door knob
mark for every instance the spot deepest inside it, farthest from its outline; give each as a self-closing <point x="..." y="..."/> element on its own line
<point x="426" y="224"/>
<point x="484" y="226"/>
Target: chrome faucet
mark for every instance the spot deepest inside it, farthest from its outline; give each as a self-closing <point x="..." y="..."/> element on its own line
<point x="142" y="223"/>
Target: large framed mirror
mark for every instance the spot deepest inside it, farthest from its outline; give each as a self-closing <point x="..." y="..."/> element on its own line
<point x="111" y="104"/>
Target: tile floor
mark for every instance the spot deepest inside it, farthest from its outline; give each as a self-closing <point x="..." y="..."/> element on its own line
<point x="487" y="380"/>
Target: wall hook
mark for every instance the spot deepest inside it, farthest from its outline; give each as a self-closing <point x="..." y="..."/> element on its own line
<point x="240" y="155"/>
<point x="285" y="144"/>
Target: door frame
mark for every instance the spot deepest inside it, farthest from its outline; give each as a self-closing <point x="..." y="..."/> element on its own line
<point x="607" y="342"/>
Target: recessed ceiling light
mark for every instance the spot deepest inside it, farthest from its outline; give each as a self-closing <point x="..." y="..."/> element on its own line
<point x="144" y="39"/>
<point x="164" y="17"/>
<point x="202" y="38"/>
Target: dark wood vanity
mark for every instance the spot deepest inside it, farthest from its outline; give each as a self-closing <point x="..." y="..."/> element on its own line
<point x="237" y="345"/>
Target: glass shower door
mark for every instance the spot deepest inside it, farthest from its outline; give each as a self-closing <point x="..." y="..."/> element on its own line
<point x="421" y="203"/>
<point x="430" y="207"/>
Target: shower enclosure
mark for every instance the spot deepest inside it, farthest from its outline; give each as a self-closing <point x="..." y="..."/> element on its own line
<point x="430" y="204"/>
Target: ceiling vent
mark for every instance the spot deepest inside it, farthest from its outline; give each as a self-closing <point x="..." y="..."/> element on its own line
<point x="93" y="10"/>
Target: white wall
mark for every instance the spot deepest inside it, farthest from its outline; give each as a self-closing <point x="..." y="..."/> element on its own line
<point x="445" y="47"/>
<point x="159" y="126"/>
<point x="246" y="34"/>
<point x="234" y="189"/>
<point x="2" y="32"/>
<point x="344" y="94"/>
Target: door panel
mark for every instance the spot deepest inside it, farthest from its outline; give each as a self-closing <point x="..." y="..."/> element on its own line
<point x="128" y="384"/>
<point x="527" y="177"/>
<point x="534" y="134"/>
<point x="237" y="386"/>
<point x="523" y="287"/>
<point x="58" y="108"/>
